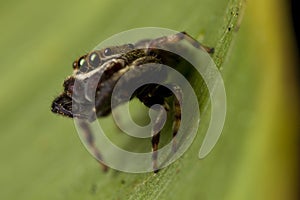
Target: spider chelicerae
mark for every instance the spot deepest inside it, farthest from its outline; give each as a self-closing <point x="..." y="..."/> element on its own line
<point x="113" y="62"/>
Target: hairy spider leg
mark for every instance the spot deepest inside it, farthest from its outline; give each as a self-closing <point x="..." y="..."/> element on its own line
<point x="178" y="37"/>
<point x="156" y="135"/>
<point x="84" y="125"/>
<point x="177" y="114"/>
<point x="157" y="94"/>
<point x="145" y="95"/>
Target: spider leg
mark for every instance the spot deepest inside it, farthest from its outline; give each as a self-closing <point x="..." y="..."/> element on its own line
<point x="155" y="137"/>
<point x="178" y="37"/>
<point x="157" y="94"/>
<point x="177" y="115"/>
<point x="84" y="125"/>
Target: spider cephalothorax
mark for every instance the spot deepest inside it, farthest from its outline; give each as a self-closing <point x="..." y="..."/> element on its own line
<point x="112" y="63"/>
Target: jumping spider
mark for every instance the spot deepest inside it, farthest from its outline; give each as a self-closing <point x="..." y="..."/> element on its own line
<point x="114" y="62"/>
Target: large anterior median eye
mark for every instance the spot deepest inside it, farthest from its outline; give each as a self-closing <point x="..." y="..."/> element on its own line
<point x="94" y="59"/>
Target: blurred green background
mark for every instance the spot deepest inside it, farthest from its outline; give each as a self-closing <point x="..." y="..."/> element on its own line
<point x="255" y="158"/>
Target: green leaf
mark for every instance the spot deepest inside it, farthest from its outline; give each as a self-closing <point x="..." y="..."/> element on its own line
<point x="42" y="157"/>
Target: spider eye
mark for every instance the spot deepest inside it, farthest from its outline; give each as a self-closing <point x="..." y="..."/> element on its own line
<point x="94" y="59"/>
<point x="75" y="66"/>
<point x="130" y="46"/>
<point x="81" y="62"/>
<point x="107" y="52"/>
<point x="83" y="67"/>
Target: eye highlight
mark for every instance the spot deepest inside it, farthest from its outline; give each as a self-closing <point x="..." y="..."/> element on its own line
<point x="74" y="65"/>
<point x="130" y="46"/>
<point x="107" y="52"/>
<point x="94" y="59"/>
<point x="82" y="64"/>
